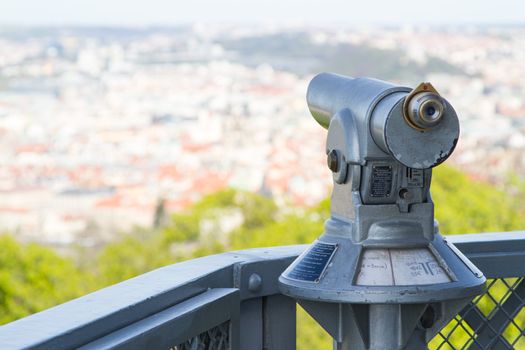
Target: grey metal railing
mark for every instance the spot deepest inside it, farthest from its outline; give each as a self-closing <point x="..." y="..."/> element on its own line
<point x="496" y="319"/>
<point x="231" y="301"/>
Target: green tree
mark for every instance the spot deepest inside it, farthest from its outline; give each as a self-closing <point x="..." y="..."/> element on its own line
<point x="463" y="205"/>
<point x="33" y="278"/>
<point x="132" y="255"/>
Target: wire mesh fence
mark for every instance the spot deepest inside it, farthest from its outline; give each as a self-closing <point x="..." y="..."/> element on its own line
<point x="493" y="320"/>
<point x="216" y="338"/>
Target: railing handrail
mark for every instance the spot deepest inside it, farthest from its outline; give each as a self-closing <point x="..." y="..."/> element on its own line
<point x="95" y="315"/>
<point x="86" y="318"/>
<point x="496" y="254"/>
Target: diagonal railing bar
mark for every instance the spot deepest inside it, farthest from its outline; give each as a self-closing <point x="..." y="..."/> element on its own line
<point x="493" y="320"/>
<point x="216" y="338"/>
<point x="473" y="316"/>
<point x="492" y="331"/>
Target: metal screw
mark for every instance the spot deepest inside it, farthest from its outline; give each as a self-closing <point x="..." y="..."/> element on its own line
<point x="332" y="160"/>
<point x="254" y="283"/>
<point x="405" y="194"/>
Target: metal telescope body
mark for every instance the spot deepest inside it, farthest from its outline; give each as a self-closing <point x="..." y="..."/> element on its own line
<point x="381" y="276"/>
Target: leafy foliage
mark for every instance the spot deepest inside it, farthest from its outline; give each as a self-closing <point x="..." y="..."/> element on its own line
<point x="33" y="278"/>
<point x="465" y="206"/>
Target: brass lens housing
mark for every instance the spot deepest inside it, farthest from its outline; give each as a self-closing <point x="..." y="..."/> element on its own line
<point x="424" y="108"/>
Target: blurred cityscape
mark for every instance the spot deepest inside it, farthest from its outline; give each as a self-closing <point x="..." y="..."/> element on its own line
<point x="100" y="125"/>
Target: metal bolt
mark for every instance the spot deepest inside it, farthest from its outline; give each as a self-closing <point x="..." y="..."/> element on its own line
<point x="332" y="160"/>
<point x="254" y="283"/>
<point x="405" y="194"/>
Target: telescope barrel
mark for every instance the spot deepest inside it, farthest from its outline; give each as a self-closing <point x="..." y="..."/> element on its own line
<point x="417" y="126"/>
<point x="329" y="93"/>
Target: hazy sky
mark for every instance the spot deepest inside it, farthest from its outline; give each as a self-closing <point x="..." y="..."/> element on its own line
<point x="173" y="12"/>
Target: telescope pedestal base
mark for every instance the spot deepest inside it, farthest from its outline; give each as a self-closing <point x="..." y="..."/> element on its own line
<point x="383" y="326"/>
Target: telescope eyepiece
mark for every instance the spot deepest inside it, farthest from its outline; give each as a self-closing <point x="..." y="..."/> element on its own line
<point x="425" y="110"/>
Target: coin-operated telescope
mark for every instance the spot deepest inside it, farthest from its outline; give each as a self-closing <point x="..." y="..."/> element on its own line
<point x="381" y="276"/>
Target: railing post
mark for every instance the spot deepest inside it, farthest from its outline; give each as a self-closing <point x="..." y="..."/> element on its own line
<point x="279" y="314"/>
<point x="234" y="331"/>
<point x="251" y="324"/>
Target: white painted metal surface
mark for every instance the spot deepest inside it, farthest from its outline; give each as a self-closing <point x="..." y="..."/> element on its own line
<point x="400" y="267"/>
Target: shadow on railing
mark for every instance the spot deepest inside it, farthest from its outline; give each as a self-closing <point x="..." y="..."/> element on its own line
<point x="231" y="301"/>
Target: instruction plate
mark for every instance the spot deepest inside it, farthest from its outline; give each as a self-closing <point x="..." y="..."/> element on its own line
<point x="400" y="267"/>
<point x="313" y="264"/>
